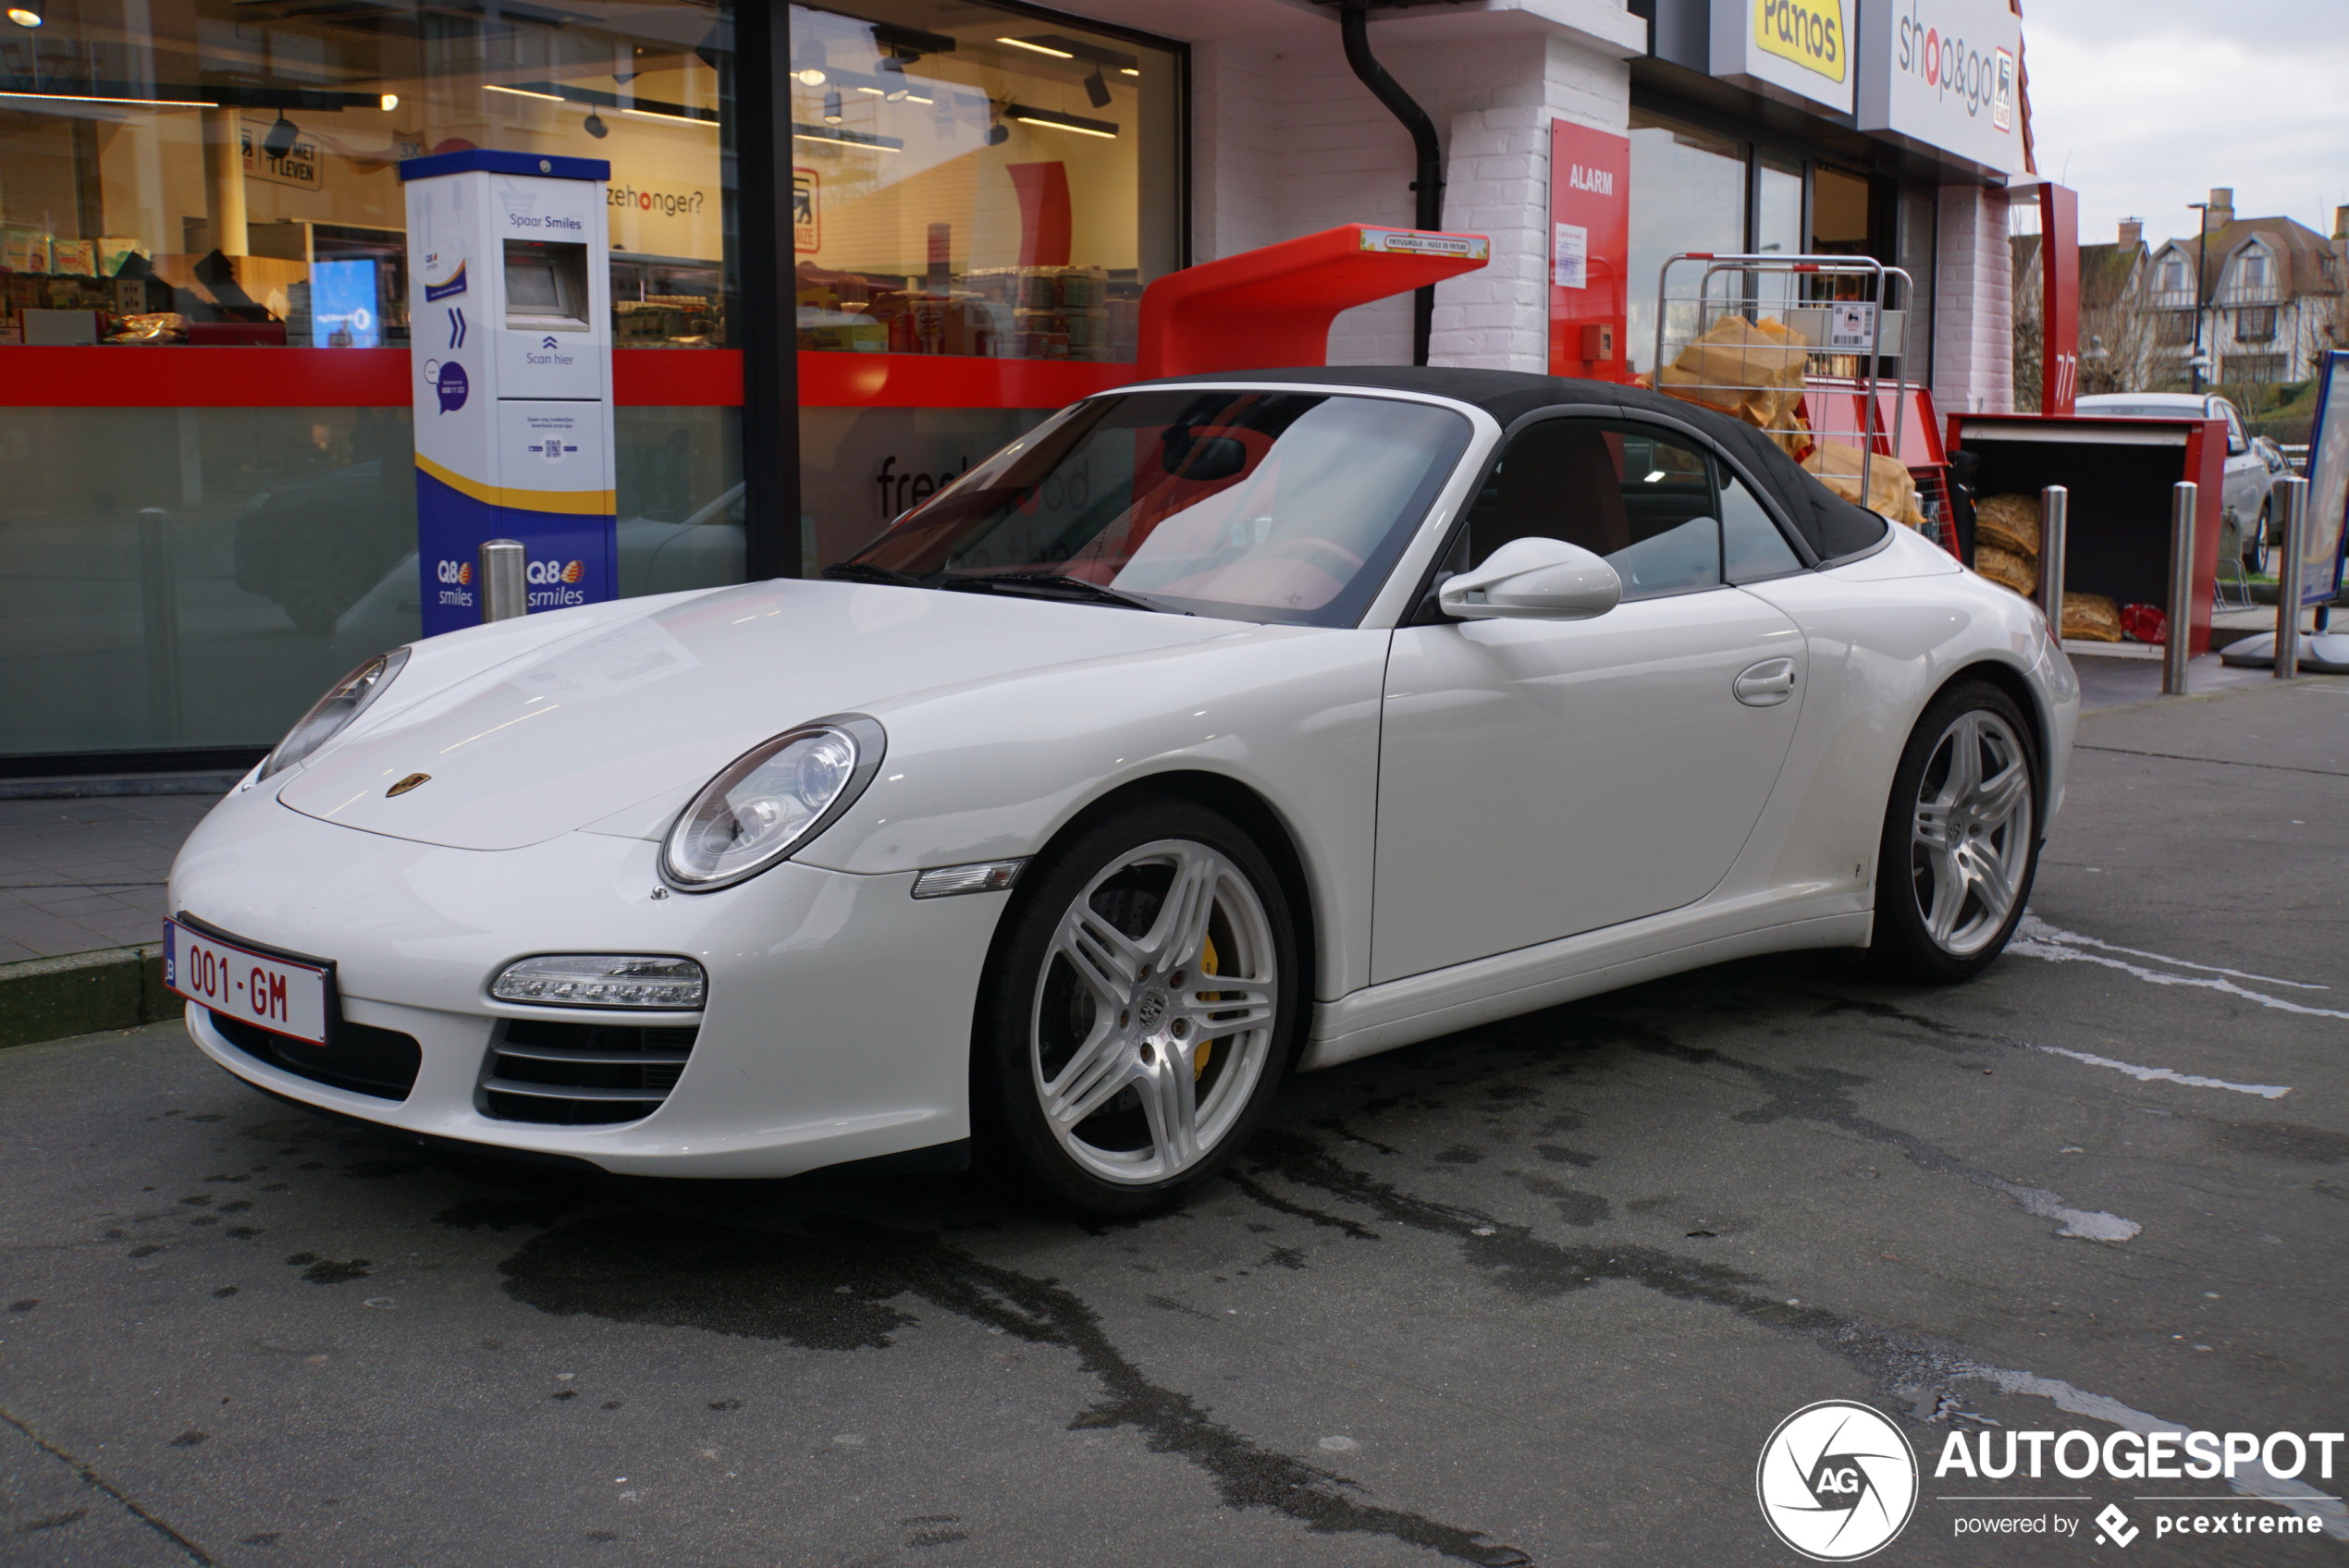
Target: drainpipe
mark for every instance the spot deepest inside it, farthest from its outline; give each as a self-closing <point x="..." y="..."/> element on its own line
<point x="1354" y="25"/>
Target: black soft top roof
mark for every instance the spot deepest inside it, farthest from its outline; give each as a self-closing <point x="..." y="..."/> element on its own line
<point x="1833" y="526"/>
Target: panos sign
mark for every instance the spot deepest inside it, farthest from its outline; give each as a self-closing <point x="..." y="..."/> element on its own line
<point x="1943" y="76"/>
<point x="1797" y="51"/>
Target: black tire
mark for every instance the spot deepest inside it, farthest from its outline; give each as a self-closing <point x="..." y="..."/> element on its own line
<point x="1046" y="1029"/>
<point x="1916" y="872"/>
<point x="2255" y="548"/>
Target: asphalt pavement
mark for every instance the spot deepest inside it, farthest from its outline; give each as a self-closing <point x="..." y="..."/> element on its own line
<point x="1537" y="1292"/>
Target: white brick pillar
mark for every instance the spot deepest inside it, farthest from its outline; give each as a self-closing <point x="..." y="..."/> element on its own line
<point x="1498" y="184"/>
<point x="1974" y="304"/>
<point x="1286" y="140"/>
<point x="1235" y="149"/>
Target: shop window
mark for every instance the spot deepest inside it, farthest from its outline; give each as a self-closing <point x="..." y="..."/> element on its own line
<point x="1688" y="193"/>
<point x="1778" y="210"/>
<point x="979" y="182"/>
<point x="1838" y="213"/>
<point x="226" y="171"/>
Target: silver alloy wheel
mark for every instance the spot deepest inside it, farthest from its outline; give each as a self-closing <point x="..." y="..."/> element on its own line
<point x="1153" y="1014"/>
<point x="1969" y="838"/>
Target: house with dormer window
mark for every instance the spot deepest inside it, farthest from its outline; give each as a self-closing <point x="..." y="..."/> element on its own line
<point x="2269" y="293"/>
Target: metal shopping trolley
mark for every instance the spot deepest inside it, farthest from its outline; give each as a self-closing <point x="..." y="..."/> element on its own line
<point x="1810" y="350"/>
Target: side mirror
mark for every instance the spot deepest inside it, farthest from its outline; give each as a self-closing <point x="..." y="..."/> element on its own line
<point x="1533" y="578"/>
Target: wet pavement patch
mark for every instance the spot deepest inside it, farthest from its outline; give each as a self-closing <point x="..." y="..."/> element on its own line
<point x="830" y="1286"/>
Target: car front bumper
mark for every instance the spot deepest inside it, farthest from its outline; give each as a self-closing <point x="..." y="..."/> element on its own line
<point x="837" y="1024"/>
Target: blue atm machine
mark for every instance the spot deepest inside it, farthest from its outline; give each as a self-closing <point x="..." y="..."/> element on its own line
<point x="509" y="319"/>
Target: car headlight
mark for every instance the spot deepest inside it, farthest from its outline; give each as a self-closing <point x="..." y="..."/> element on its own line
<point x="344" y="700"/>
<point x="771" y="799"/>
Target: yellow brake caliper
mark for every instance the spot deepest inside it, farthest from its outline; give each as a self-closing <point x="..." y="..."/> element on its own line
<point x="1207" y="965"/>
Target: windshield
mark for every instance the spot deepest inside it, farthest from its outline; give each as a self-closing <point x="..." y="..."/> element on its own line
<point x="1253" y="505"/>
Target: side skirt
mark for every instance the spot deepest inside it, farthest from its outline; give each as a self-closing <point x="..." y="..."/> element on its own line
<point x="1420" y="1006"/>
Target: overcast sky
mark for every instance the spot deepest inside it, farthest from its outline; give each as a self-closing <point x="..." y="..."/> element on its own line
<point x="2143" y="105"/>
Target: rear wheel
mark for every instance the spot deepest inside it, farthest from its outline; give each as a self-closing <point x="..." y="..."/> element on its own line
<point x="1961" y="838"/>
<point x="2254" y="546"/>
<point x="1139" y="1009"/>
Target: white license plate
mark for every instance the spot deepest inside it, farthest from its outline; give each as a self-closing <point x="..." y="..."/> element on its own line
<point x="281" y="996"/>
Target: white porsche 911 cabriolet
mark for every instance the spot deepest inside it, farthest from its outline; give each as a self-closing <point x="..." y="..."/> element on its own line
<point x="1219" y="728"/>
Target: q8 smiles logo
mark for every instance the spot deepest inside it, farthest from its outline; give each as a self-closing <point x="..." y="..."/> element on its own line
<point x="1836" y="1481"/>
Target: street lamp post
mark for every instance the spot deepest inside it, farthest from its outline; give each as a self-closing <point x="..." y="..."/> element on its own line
<point x="2201" y="261"/>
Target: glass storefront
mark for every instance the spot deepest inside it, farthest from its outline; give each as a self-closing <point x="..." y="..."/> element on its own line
<point x="978" y="182"/>
<point x="1688" y="194"/>
<point x="1696" y="186"/>
<point x="222" y="172"/>
<point x="969" y="183"/>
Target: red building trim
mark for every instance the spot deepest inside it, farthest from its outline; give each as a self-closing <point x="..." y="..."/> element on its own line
<point x="363" y="378"/>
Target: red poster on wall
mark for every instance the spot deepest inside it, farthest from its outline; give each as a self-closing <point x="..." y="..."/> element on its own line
<point x="1589" y="250"/>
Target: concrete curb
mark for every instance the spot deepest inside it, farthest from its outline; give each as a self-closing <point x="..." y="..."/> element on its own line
<point x="51" y="999"/>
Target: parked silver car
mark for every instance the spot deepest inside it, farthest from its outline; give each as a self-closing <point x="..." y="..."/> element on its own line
<point x="2249" y="475"/>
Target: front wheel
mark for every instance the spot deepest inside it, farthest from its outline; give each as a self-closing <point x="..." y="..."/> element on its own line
<point x="1961" y="838"/>
<point x="1139" y="1009"/>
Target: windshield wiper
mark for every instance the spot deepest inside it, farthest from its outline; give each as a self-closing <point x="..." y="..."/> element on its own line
<point x="860" y="571"/>
<point x="1052" y="586"/>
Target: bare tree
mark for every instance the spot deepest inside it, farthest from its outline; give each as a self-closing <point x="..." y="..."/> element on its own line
<point x="2030" y="341"/>
<point x="2118" y="344"/>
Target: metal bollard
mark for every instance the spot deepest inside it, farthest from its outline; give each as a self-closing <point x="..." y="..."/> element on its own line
<point x="2054" y="520"/>
<point x="2293" y="514"/>
<point x="505" y="594"/>
<point x="2185" y="499"/>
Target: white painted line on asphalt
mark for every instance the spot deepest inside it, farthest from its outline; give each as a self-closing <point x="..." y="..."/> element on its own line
<point x="2170" y="1075"/>
<point x="2056" y="933"/>
<point x="2035" y="938"/>
<point x="2298" y="1495"/>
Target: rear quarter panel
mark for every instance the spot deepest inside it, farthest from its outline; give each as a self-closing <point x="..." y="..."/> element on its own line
<point x="1886" y="634"/>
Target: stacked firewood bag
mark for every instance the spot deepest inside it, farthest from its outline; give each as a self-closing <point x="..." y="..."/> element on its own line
<point x="1753" y="371"/>
<point x="2006" y="550"/>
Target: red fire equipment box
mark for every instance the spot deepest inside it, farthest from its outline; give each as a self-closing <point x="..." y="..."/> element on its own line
<point x="2120" y="472"/>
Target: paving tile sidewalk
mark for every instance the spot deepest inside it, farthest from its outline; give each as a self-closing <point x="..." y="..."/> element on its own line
<point x="80" y="875"/>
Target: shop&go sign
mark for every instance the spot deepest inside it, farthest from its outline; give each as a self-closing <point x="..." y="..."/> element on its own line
<point x="1796" y="50"/>
<point x="1943" y="77"/>
<point x="1809" y="32"/>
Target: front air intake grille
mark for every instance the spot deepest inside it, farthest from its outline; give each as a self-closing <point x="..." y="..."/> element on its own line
<point x="357" y="1056"/>
<point x="573" y="1073"/>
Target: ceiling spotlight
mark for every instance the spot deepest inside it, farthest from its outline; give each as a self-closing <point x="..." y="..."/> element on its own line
<point x="594" y="125"/>
<point x="1096" y="90"/>
<point x="832" y="106"/>
<point x="27" y="13"/>
<point x="388" y="102"/>
<point x="811" y="77"/>
<point x="281" y="137"/>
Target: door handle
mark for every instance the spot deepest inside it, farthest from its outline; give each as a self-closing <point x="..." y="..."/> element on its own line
<point x="1767" y="684"/>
